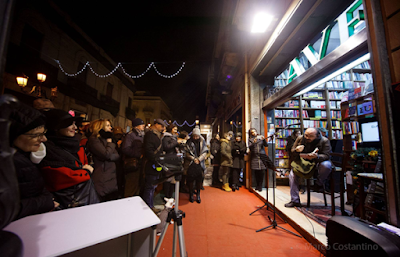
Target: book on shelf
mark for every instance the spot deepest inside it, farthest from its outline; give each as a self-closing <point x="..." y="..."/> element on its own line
<point x="317" y="104"/>
<point x="282" y="163"/>
<point x="317" y="95"/>
<point x="337" y="134"/>
<point x="352" y="111"/>
<point x="291" y="104"/>
<point x="336" y="115"/>
<point x="335" y="95"/>
<point x="351" y="127"/>
<point x="351" y="94"/>
<point x="285" y="122"/>
<point x="315" y="124"/>
<point x="323" y="114"/>
<point x="318" y="114"/>
<point x="280" y="143"/>
<point x="305" y="104"/>
<point x="281" y="154"/>
<point x="364" y="65"/>
<point x="336" y="124"/>
<point x="284" y="133"/>
<point x="345" y="97"/>
<point x="365" y="108"/>
<point x="305" y="114"/>
<point x="287" y="113"/>
<point x="357" y="92"/>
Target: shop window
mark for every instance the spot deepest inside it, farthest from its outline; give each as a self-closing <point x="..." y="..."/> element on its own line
<point x="355" y="18"/>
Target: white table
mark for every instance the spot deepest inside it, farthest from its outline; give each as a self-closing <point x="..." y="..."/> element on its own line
<point x="115" y="228"/>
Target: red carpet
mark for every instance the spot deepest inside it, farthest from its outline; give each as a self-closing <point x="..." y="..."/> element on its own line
<point x="221" y="226"/>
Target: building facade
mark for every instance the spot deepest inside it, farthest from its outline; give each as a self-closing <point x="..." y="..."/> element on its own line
<point x="41" y="42"/>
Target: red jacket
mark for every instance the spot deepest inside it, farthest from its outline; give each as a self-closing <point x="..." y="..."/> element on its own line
<point x="59" y="177"/>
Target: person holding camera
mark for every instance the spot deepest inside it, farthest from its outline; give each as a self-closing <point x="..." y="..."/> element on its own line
<point x="105" y="154"/>
<point x="171" y="143"/>
<point x="152" y="146"/>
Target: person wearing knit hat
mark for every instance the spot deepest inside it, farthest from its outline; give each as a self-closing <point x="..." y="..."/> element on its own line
<point x="65" y="168"/>
<point x="27" y="135"/>
<point x="58" y="119"/>
<point x="137" y="122"/>
<point x="196" y="131"/>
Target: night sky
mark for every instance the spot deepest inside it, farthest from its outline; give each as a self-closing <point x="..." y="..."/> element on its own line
<point x="136" y="33"/>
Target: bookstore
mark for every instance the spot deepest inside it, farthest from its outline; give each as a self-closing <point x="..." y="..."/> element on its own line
<point x="328" y="86"/>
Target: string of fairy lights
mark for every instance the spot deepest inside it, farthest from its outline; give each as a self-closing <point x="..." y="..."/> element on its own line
<point x="119" y="65"/>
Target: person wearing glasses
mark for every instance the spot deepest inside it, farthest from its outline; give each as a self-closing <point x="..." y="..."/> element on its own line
<point x="65" y="168"/>
<point x="27" y="135"/>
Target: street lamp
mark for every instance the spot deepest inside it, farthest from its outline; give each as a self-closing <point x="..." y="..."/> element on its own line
<point x="41" y="77"/>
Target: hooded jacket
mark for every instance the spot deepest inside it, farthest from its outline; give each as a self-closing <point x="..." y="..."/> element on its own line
<point x="169" y="142"/>
<point x="226" y="153"/>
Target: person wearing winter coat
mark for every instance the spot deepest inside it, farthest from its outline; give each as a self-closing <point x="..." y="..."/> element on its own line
<point x="105" y="154"/>
<point x="256" y="145"/>
<point x="65" y="168"/>
<point x="132" y="151"/>
<point x="171" y="143"/>
<point x="27" y="135"/>
<point x="215" y="158"/>
<point x="152" y="146"/>
<point x="226" y="162"/>
<point x="238" y="150"/>
<point x="196" y="154"/>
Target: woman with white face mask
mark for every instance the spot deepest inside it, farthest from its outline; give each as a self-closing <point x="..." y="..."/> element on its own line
<point x="27" y="135"/>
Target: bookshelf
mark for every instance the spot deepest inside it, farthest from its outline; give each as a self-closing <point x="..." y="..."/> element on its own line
<point x="320" y="107"/>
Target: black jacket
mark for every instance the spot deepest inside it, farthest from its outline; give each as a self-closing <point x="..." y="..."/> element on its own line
<point x="216" y="151"/>
<point x="152" y="146"/>
<point x="322" y="143"/>
<point x="132" y="145"/>
<point x="169" y="143"/>
<point x="105" y="155"/>
<point x="34" y="197"/>
<point x="238" y="151"/>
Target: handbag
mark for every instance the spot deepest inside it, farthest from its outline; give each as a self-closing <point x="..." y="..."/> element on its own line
<point x="78" y="195"/>
<point x="303" y="168"/>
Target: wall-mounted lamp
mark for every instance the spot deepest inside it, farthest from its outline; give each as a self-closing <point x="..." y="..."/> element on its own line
<point x="41" y="77"/>
<point x="197" y="122"/>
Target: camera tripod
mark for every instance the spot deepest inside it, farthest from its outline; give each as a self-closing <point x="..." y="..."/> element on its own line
<point x="176" y="215"/>
<point x="274" y="224"/>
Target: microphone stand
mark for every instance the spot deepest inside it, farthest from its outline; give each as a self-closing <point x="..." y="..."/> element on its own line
<point x="274" y="224"/>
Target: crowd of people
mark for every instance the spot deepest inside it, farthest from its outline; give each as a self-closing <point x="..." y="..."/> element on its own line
<point x="61" y="163"/>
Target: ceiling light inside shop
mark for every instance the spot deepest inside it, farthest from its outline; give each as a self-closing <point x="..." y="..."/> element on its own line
<point x="349" y="66"/>
<point x="261" y="22"/>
